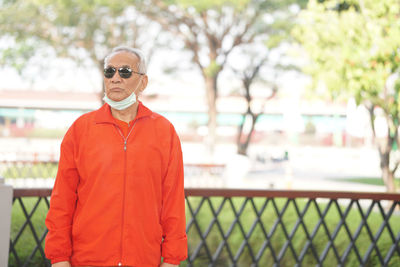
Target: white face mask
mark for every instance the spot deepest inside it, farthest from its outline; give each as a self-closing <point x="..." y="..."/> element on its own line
<point x="124" y="103"/>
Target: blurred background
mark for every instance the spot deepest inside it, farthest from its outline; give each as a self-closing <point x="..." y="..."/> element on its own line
<point x="283" y="94"/>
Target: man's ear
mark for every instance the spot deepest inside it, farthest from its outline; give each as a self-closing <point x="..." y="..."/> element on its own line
<point x="143" y="84"/>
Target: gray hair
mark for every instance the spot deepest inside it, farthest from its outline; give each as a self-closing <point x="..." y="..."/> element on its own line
<point x="137" y="52"/>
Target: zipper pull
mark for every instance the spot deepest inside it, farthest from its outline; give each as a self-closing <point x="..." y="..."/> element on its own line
<point x="125" y="145"/>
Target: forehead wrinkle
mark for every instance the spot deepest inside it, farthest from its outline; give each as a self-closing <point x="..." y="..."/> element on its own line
<point x="124" y="59"/>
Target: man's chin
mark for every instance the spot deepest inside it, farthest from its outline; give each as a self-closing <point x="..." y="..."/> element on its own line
<point x="116" y="97"/>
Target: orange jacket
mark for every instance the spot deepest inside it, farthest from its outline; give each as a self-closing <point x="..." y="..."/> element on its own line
<point x="117" y="202"/>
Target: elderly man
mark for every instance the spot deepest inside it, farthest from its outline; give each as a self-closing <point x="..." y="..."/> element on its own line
<point x="118" y="199"/>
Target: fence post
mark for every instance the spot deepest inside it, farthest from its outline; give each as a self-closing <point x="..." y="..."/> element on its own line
<point x="6" y="194"/>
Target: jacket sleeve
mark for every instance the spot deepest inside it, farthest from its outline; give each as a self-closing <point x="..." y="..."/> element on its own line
<point x="58" y="221"/>
<point x="173" y="220"/>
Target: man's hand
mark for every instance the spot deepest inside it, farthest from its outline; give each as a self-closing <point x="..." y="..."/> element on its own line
<point x="61" y="264"/>
<point x="164" y="264"/>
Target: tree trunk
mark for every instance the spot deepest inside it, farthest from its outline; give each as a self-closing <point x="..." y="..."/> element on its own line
<point x="384" y="153"/>
<point x="211" y="92"/>
<point x="240" y="149"/>
<point x="388" y="178"/>
<point x="243" y="145"/>
<point x="387" y="174"/>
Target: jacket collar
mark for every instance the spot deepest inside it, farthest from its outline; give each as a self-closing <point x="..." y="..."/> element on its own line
<point x="103" y="114"/>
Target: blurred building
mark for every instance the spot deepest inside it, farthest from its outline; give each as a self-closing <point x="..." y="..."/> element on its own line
<point x="50" y="113"/>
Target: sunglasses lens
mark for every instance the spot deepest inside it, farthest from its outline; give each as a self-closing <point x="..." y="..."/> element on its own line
<point x="109" y="72"/>
<point x="125" y="72"/>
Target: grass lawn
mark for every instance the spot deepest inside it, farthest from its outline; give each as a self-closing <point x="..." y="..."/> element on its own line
<point x="248" y="225"/>
<point x="367" y="180"/>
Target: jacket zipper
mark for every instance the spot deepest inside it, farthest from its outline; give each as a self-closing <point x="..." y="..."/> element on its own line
<point x="123" y="195"/>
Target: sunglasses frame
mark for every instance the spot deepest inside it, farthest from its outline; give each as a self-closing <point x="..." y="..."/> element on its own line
<point x="121" y="74"/>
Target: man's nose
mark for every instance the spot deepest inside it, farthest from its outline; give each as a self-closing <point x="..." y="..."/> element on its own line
<point x="116" y="78"/>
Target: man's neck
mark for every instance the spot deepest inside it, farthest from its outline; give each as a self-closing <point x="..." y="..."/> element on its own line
<point x="127" y="114"/>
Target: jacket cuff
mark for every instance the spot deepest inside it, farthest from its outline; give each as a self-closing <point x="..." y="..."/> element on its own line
<point x="172" y="261"/>
<point x="174" y="251"/>
<point x="60" y="259"/>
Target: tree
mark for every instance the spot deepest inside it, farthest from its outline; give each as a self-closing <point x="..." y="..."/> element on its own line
<point x="257" y="57"/>
<point x="211" y="30"/>
<point x="248" y="74"/>
<point x="83" y="31"/>
<point x="354" y="47"/>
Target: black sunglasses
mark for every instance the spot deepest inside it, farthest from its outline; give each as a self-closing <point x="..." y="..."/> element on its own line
<point x="124" y="72"/>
